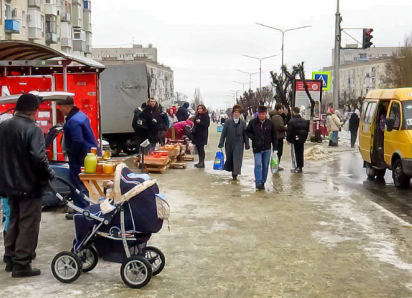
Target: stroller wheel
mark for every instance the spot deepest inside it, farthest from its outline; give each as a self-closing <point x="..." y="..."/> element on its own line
<point x="89" y="258"/>
<point x="136" y="272"/>
<point x="155" y="257"/>
<point x="66" y="267"/>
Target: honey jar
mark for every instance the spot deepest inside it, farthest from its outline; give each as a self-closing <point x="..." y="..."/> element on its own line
<point x="108" y="168"/>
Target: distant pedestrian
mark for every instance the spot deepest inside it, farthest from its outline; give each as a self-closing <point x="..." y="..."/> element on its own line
<point x="353" y="128"/>
<point x="235" y="140"/>
<point x="139" y="127"/>
<point x="163" y="121"/>
<point x="201" y="133"/>
<point x="182" y="113"/>
<point x="333" y="125"/>
<point x="172" y="117"/>
<point x="280" y="128"/>
<point x="262" y="133"/>
<point x="24" y="172"/>
<point x="297" y="133"/>
<point x="78" y="140"/>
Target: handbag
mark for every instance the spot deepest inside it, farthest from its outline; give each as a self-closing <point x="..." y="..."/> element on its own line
<point x="219" y="161"/>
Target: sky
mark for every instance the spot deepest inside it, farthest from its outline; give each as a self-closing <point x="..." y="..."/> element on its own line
<point x="204" y="41"/>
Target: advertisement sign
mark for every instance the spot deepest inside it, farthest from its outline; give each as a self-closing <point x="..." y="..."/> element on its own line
<point x="301" y="99"/>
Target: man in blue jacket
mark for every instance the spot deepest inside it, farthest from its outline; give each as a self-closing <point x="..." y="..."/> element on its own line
<point x="78" y="140"/>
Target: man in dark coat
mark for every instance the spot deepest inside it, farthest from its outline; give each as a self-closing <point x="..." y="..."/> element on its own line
<point x="139" y="126"/>
<point x="200" y="133"/>
<point x="235" y="140"/>
<point x="24" y="171"/>
<point x="78" y="140"/>
<point x="297" y="133"/>
<point x="353" y="128"/>
<point x="182" y="113"/>
<point x="262" y="133"/>
<point x="280" y="128"/>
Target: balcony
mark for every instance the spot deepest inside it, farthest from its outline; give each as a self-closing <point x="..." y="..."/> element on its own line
<point x="51" y="37"/>
<point x="79" y="45"/>
<point x="50" y="9"/>
<point x="88" y="49"/>
<point x="35" y="3"/>
<point x="66" y="42"/>
<point x="12" y="26"/>
<point x="65" y="17"/>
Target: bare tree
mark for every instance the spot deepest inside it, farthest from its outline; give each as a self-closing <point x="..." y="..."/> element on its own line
<point x="399" y="69"/>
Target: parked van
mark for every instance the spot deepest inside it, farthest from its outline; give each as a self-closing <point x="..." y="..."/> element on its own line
<point x="385" y="134"/>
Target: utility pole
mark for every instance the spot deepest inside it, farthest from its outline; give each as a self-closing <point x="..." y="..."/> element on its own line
<point x="336" y="61"/>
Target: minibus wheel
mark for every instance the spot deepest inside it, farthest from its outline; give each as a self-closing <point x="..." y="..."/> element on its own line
<point x="399" y="178"/>
<point x="370" y="171"/>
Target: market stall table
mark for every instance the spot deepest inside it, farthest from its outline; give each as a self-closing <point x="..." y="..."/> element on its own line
<point x="92" y="183"/>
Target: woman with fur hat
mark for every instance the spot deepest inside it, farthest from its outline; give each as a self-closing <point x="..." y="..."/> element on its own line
<point x="235" y="141"/>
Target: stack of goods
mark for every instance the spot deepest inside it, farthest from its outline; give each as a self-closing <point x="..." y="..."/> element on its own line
<point x="157" y="161"/>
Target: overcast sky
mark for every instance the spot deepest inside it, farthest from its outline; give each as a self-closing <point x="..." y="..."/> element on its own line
<point x="203" y="41"/>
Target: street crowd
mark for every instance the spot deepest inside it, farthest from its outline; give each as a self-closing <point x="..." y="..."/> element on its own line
<point x="26" y="172"/>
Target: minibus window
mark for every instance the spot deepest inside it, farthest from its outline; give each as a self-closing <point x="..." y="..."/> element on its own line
<point x="370" y="110"/>
<point x="396" y="115"/>
<point x="407" y="108"/>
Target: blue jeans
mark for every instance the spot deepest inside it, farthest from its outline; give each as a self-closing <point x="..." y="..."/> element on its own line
<point x="262" y="160"/>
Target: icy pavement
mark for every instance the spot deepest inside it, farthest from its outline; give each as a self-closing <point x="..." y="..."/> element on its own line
<point x="306" y="235"/>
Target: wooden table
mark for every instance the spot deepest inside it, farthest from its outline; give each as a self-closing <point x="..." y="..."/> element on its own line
<point x="92" y="183"/>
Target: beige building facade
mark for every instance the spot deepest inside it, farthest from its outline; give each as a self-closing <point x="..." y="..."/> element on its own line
<point x="61" y="24"/>
<point x="136" y="53"/>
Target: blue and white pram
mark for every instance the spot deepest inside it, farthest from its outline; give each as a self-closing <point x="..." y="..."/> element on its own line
<point x="117" y="230"/>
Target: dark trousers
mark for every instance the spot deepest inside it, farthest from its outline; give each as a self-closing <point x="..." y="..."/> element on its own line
<point x="299" y="148"/>
<point x="75" y="180"/>
<point x="23" y="231"/>
<point x="353" y="136"/>
<point x="201" y="152"/>
<point x="280" y="148"/>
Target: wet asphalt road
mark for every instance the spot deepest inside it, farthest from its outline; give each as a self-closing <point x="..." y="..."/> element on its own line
<point x="324" y="233"/>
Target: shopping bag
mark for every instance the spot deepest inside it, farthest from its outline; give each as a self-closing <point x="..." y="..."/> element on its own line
<point x="219" y="161"/>
<point x="330" y="136"/>
<point x="346" y="125"/>
<point x="274" y="162"/>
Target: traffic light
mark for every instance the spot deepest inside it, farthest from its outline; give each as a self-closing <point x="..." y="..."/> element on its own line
<point x="367" y="36"/>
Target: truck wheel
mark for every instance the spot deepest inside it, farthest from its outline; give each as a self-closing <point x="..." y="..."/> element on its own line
<point x="129" y="151"/>
<point x="399" y="177"/>
<point x="370" y="171"/>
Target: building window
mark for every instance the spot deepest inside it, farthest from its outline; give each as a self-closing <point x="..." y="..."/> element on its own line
<point x="23" y="19"/>
<point x="362" y="56"/>
<point x="7" y="11"/>
<point x="51" y="25"/>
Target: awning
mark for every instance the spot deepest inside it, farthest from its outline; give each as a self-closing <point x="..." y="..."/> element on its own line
<point x="19" y="50"/>
<point x="44" y="96"/>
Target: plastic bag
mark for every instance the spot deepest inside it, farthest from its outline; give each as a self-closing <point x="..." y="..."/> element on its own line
<point x="274" y="162"/>
<point x="219" y="161"/>
<point x="346" y="125"/>
<point x="330" y="136"/>
<point x="192" y="149"/>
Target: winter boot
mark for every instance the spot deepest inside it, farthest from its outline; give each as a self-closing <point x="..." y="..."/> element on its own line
<point x="234" y="176"/>
<point x="24" y="271"/>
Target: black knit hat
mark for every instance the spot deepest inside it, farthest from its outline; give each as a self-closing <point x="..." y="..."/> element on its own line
<point x="69" y="101"/>
<point x="28" y="103"/>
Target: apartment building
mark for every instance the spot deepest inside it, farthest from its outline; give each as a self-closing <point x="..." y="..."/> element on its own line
<point x="136" y="53"/>
<point x="60" y="24"/>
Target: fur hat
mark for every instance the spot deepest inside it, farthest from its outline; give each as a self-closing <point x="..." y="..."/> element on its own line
<point x="28" y="103"/>
<point x="237" y="108"/>
<point x="69" y="101"/>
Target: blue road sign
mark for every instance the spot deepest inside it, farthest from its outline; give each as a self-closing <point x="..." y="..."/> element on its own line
<point x="324" y="76"/>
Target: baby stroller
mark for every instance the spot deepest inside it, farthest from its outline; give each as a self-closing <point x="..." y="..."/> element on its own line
<point x="117" y="230"/>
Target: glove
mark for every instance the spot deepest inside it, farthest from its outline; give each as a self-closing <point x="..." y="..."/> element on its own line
<point x="220" y="147"/>
<point x="52" y="175"/>
<point x="247" y="147"/>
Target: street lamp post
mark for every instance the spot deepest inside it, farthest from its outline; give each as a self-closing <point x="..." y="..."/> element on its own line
<point x="243" y="85"/>
<point x="250" y="77"/>
<point x="260" y="66"/>
<point x="283" y="37"/>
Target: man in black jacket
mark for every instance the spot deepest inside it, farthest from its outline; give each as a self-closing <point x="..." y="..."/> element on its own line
<point x="182" y="113"/>
<point x="24" y="171"/>
<point x="297" y="134"/>
<point x="262" y="133"/>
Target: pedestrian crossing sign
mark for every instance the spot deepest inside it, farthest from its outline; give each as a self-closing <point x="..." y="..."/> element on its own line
<point x="325" y="77"/>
